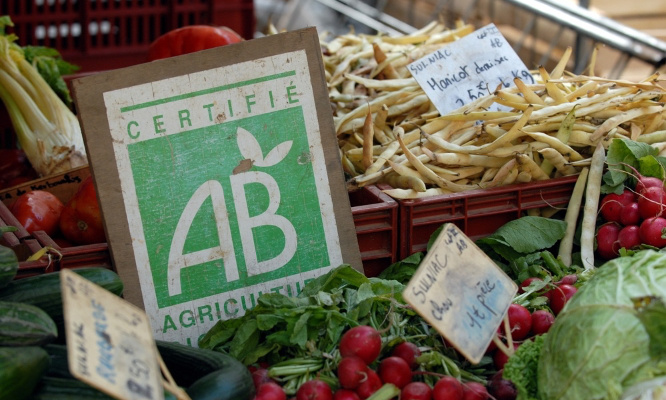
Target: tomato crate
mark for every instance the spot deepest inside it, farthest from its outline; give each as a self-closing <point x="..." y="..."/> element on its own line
<point x="375" y="217"/>
<point x="63" y="186"/>
<point x="100" y="34"/>
<point x="478" y="213"/>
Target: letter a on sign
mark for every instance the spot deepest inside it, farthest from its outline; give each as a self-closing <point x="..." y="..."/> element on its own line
<point x="218" y="177"/>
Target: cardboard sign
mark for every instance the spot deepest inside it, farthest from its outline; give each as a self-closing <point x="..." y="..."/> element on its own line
<point x="109" y="341"/>
<point x="219" y="178"/>
<point x="461" y="292"/>
<point x="468" y="68"/>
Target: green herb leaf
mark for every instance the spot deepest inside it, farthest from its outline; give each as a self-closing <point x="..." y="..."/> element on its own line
<point x="245" y="339"/>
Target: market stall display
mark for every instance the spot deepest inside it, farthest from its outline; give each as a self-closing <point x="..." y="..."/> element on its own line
<point x="581" y="145"/>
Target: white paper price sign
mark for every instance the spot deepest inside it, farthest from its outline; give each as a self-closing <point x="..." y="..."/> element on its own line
<point x="109" y="341"/>
<point x="469" y="68"/>
<point x="461" y="292"/>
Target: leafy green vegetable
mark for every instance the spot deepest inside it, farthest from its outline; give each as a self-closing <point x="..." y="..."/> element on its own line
<point x="598" y="345"/>
<point x="652" y="314"/>
<point x="52" y="68"/>
<point x="526" y="235"/>
<point x="308" y="328"/>
<point x="641" y="156"/>
<point x="521" y="368"/>
<point x="520" y="248"/>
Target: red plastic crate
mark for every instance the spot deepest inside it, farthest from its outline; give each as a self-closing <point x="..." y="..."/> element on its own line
<point x="376" y="220"/>
<point x="477" y="213"/>
<point x="25" y="244"/>
<point x="99" y="35"/>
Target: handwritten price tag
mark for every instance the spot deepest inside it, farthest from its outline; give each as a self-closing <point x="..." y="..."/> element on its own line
<point x="469" y="68"/>
<point x="461" y="292"/>
<point x="109" y="341"/>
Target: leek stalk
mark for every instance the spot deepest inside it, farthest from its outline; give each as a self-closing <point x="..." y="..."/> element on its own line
<point x="46" y="128"/>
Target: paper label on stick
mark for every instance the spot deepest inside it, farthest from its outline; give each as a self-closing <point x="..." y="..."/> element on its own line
<point x="109" y="341"/>
<point x="466" y="69"/>
<point x="461" y="292"/>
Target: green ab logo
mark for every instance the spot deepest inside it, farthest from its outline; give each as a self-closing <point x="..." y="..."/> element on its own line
<point x="250" y="150"/>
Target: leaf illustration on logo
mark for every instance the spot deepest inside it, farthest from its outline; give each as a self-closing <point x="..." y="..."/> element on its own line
<point x="250" y="149"/>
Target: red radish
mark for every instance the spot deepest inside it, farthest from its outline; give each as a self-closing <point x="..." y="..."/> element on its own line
<point x="362" y="341"/>
<point x="541" y="321"/>
<point x="644" y="182"/>
<point x="652" y="231"/>
<point x="408" y="351"/>
<point x="559" y="296"/>
<point x="528" y="282"/>
<point x="500" y="358"/>
<point x="345" y="394"/>
<point x="630" y="215"/>
<point x="351" y="371"/>
<point x="629" y="237"/>
<point x="568" y="279"/>
<point x="611" y="207"/>
<point x="447" y="388"/>
<point x="395" y="370"/>
<point x="607" y="245"/>
<point x="520" y="321"/>
<point x="270" y="391"/>
<point x="369" y="386"/>
<point x="260" y="376"/>
<point x="500" y="388"/>
<point x="651" y="202"/>
<point x="314" y="389"/>
<point x="475" y="391"/>
<point x="416" y="391"/>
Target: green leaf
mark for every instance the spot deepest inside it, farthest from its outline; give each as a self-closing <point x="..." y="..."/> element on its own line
<point x="52" y="68"/>
<point x="276" y="300"/>
<point x="652" y="313"/>
<point x="220" y="333"/>
<point x="650" y="166"/>
<point x="341" y="276"/>
<point x="402" y="271"/>
<point x="528" y="234"/>
<point x="365" y="292"/>
<point x="245" y="340"/>
<point x="267" y="322"/>
<point x="299" y="334"/>
<point x="259" y="352"/>
<point x="625" y="151"/>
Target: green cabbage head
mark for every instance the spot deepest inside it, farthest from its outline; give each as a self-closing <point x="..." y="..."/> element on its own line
<point x="598" y="347"/>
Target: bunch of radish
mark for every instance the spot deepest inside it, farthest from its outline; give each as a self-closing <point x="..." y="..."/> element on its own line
<point x="362" y="374"/>
<point x="633" y="218"/>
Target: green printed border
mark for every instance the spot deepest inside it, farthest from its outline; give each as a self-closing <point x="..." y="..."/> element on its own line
<point x="206" y="91"/>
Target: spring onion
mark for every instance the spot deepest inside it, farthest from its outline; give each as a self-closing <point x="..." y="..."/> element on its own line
<point x="46" y="128"/>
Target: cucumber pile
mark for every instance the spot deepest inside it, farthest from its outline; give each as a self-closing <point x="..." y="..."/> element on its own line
<point x="33" y="350"/>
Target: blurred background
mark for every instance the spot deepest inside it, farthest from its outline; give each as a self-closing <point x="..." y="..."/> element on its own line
<point x="107" y="34"/>
<point x="631" y="35"/>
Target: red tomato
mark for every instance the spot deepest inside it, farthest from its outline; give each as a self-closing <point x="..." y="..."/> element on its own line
<point x="81" y="219"/>
<point x="189" y="39"/>
<point x="38" y="211"/>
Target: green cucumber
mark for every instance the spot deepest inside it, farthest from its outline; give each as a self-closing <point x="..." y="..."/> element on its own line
<point x="8" y="265"/>
<point x="44" y="290"/>
<point x="58" y="361"/>
<point x="54" y="388"/>
<point x="231" y="383"/>
<point x="22" y="368"/>
<point x="23" y="324"/>
<point x="188" y="364"/>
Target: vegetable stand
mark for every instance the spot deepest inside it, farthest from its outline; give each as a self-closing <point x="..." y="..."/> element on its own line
<point x="294" y="339"/>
